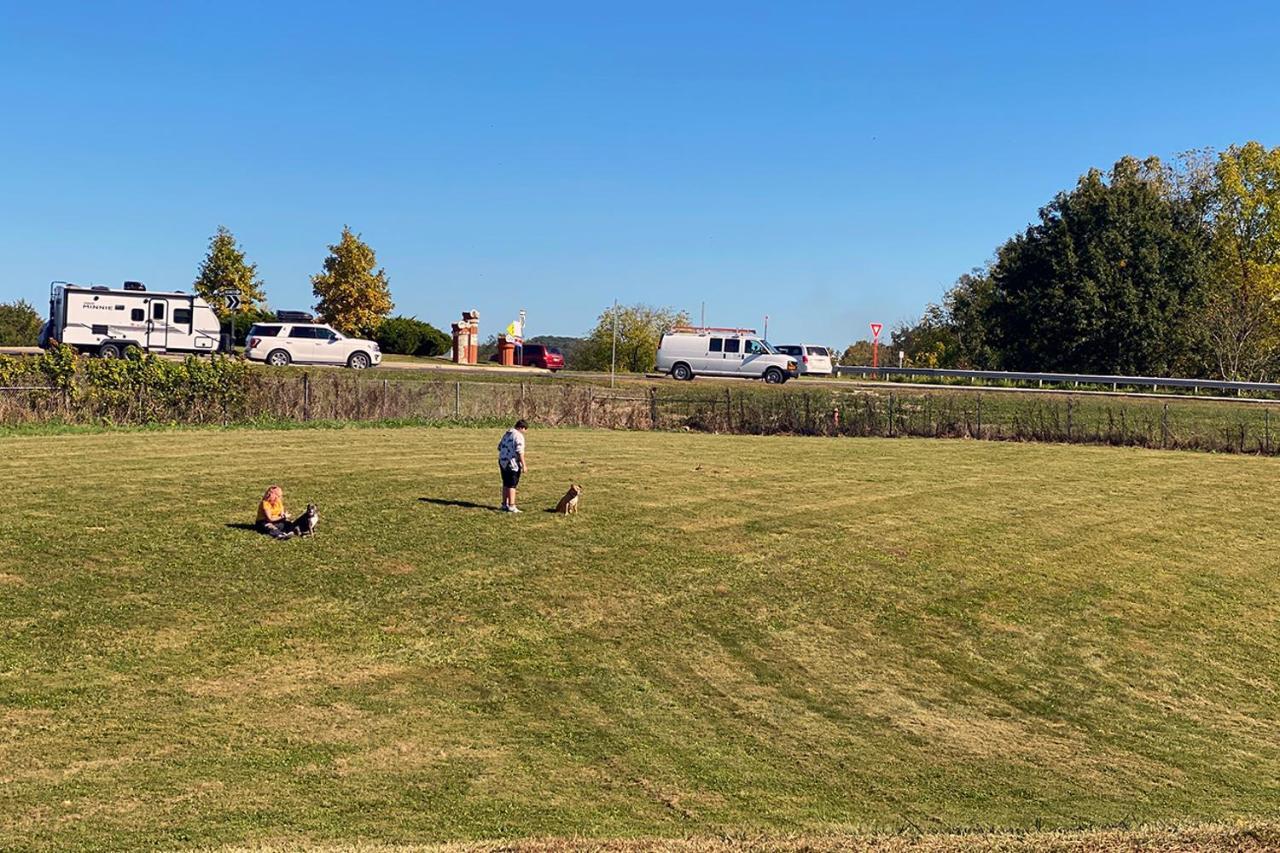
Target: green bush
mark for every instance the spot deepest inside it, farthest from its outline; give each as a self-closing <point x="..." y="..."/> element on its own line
<point x="411" y="336"/>
<point x="19" y="324"/>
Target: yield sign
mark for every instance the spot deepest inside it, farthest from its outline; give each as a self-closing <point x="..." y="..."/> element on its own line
<point x="875" y="329"/>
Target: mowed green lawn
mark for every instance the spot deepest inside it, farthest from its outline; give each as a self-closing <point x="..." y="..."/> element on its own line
<point x="734" y="634"/>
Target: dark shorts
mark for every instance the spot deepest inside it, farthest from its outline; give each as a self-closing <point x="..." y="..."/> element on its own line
<point x="510" y="479"/>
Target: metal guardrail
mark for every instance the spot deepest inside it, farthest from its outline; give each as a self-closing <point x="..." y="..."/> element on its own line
<point x="1154" y="382"/>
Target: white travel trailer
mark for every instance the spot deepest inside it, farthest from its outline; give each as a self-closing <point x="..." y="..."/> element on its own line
<point x="686" y="352"/>
<point x="108" y="322"/>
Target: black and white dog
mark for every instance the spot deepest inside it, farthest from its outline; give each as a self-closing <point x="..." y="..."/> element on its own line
<point x="305" y="524"/>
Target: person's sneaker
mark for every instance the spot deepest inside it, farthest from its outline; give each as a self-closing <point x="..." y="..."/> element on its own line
<point x="513" y="509"/>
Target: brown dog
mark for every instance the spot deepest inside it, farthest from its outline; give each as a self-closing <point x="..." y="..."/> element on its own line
<point x="569" y="503"/>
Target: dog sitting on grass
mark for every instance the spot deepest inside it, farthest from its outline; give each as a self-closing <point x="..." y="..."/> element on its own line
<point x="569" y="503"/>
<point x="305" y="524"/>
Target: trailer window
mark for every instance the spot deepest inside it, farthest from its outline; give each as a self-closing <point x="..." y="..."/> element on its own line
<point x="731" y="344"/>
<point x="157" y="311"/>
<point x="717" y="344"/>
<point x="182" y="316"/>
<point x="137" y="315"/>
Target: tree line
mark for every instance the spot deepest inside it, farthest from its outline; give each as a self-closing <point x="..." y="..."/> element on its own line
<point x="1152" y="268"/>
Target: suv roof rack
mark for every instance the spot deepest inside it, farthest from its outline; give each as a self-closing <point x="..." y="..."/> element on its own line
<point x="294" y="317"/>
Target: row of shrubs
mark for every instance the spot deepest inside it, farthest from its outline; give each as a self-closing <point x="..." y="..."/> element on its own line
<point x="140" y="388"/>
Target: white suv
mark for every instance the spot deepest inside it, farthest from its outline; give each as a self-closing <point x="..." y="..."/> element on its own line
<point x="813" y="360"/>
<point x="280" y="344"/>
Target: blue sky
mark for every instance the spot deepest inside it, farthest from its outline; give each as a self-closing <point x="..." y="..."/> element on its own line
<point x="828" y="164"/>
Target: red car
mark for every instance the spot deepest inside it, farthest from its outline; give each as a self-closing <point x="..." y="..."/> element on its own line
<point x="548" y="358"/>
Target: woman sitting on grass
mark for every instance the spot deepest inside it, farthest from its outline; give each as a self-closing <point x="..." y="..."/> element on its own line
<point x="272" y="519"/>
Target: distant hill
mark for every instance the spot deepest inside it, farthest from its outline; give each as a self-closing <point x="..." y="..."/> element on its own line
<point x="569" y="347"/>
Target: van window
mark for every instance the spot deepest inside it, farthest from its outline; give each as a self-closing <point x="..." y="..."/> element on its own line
<point x="182" y="316"/>
<point x="754" y="347"/>
<point x="717" y="344"/>
<point x="157" y="310"/>
<point x="137" y="315"/>
<point x="731" y="344"/>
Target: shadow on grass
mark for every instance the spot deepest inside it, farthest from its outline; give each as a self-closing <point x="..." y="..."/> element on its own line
<point x="242" y="526"/>
<point x="462" y="504"/>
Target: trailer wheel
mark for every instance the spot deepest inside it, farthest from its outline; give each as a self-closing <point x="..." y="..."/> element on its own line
<point x="358" y="361"/>
<point x="109" y="351"/>
<point x="278" y="358"/>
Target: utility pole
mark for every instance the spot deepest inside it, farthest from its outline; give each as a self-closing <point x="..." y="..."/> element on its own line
<point x="703" y="321"/>
<point x="613" y="359"/>
<point x="766" y="327"/>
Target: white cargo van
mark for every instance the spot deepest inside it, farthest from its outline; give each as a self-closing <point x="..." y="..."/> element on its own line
<point x="108" y="322"/>
<point x="686" y="352"/>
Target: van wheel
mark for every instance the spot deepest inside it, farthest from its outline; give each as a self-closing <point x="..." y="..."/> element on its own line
<point x="278" y="358"/>
<point x="682" y="372"/>
<point x="358" y="361"/>
<point x="774" y="376"/>
<point x="109" y="351"/>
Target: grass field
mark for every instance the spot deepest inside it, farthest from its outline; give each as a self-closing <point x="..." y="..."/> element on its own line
<point x="736" y="634"/>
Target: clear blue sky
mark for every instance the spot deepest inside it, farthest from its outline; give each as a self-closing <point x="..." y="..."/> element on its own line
<point x="828" y="164"/>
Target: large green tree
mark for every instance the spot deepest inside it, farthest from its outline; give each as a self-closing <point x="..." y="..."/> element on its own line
<point x="19" y="324"/>
<point x="1242" y="322"/>
<point x="640" y="329"/>
<point x="352" y="294"/>
<point x="1110" y="280"/>
<point x="226" y="270"/>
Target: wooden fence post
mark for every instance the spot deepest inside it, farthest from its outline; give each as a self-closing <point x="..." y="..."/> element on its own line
<point x="1068" y="421"/>
<point x="891" y="414"/>
<point x="979" y="408"/>
<point x="1266" y="431"/>
<point x="653" y="407"/>
<point x="591" y="415"/>
<point x="457" y="398"/>
<point x="384" y="399"/>
<point x="728" y="411"/>
<point x="1164" y="427"/>
<point x="306" y="396"/>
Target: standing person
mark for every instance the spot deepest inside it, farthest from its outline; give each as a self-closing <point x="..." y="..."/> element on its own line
<point x="272" y="519"/>
<point x="511" y="463"/>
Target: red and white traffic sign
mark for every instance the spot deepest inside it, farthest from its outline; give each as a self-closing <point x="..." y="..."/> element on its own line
<point x="875" y="329"/>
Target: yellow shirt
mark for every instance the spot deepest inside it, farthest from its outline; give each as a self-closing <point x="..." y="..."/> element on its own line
<point x="271" y="510"/>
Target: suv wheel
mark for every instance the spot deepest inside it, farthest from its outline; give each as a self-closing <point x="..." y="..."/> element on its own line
<point x="358" y="361"/>
<point x="278" y="358"/>
<point x="109" y="351"/>
<point x="682" y="372"/>
<point x="774" y="376"/>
